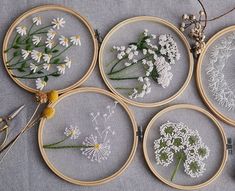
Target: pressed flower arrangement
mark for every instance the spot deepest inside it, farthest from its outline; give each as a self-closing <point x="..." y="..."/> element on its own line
<point x="155" y="55"/>
<point x="38" y="51"/>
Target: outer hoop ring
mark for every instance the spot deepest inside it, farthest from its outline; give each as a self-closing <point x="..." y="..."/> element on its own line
<point x="46" y="8"/>
<point x="160" y="21"/>
<point x="104" y="180"/>
<point x="204" y="97"/>
<point x="217" y="124"/>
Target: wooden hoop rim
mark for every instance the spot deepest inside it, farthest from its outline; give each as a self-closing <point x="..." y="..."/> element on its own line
<point x="41" y="9"/>
<point x="117" y="173"/>
<point x="218" y="126"/>
<point x="204" y="97"/>
<point x="159" y="21"/>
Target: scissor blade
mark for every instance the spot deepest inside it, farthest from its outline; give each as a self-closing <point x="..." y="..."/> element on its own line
<point x="16" y="112"/>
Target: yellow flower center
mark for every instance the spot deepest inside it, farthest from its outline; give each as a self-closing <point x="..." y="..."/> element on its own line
<point x="66" y="40"/>
<point x="97" y="146"/>
<point x="77" y="36"/>
<point x="39" y="54"/>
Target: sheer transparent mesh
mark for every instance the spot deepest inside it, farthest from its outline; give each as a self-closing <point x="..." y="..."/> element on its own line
<point x="206" y="128"/>
<point x="81" y="56"/>
<point x="227" y="71"/>
<point x="75" y="110"/>
<point x="130" y="33"/>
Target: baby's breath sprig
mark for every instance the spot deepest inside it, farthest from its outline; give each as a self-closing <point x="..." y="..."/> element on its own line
<point x="197" y="26"/>
<point x="39" y="52"/>
<point x="154" y="55"/>
<point x="178" y="142"/>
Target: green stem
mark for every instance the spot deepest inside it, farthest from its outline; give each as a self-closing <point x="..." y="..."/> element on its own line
<point x="139" y="61"/>
<point x="66" y="147"/>
<point x="33" y="77"/>
<point x="30" y="28"/>
<point x="34" y="32"/>
<point x="13" y="42"/>
<point x="127" y="78"/>
<point x="9" y="66"/>
<point x="116" y="64"/>
<point x="62" y="51"/>
<point x="123" y="88"/>
<point x="56" y="143"/>
<point x="176" y="167"/>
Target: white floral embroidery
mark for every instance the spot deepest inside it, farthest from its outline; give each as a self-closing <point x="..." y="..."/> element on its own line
<point x="220" y="88"/>
<point x="72" y="131"/>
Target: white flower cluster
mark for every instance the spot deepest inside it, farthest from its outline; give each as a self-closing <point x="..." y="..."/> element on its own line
<point x="38" y="58"/>
<point x="177" y="140"/>
<point x="72" y="131"/>
<point x="155" y="55"/>
<point x="142" y="89"/>
<point x="221" y="89"/>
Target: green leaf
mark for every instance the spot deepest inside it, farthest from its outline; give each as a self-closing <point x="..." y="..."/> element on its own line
<point x="47" y="50"/>
<point x="40" y="72"/>
<point x="16" y="46"/>
<point x="56" y="74"/>
<point x="23" y="65"/>
<point x="54" y="51"/>
<point x="56" y="61"/>
<point x="18" y="39"/>
<point x="28" y="47"/>
<point x="154" y="74"/>
<point x="16" y="53"/>
<point x="46" y="78"/>
<point x="28" y="41"/>
<point x="20" y="69"/>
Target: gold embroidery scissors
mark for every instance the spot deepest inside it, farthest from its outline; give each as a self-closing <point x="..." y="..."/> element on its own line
<point x="5" y="123"/>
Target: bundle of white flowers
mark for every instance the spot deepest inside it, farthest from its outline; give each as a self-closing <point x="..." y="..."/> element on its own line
<point x="37" y="53"/>
<point x="178" y="142"/>
<point x="156" y="57"/>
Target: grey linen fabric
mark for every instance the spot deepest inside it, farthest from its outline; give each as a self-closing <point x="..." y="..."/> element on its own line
<point x="24" y="170"/>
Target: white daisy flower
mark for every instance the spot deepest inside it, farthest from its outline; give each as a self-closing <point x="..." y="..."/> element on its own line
<point x="46" y="66"/>
<point x="36" y="39"/>
<point x="64" y="41"/>
<point x="73" y="132"/>
<point x="36" y="55"/>
<point x="25" y="53"/>
<point x="49" y="43"/>
<point x="51" y="33"/>
<point x="33" y="67"/>
<point x="22" y="30"/>
<point x="58" y="22"/>
<point x="40" y="84"/>
<point x="75" y="40"/>
<point x="37" y="20"/>
<point x="61" y="68"/>
<point x="96" y="151"/>
<point x="47" y="58"/>
<point x="67" y="61"/>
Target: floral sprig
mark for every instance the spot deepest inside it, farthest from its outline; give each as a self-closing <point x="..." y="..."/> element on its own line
<point x="96" y="147"/>
<point x="154" y="55"/>
<point x="38" y="54"/>
<point x="178" y="142"/>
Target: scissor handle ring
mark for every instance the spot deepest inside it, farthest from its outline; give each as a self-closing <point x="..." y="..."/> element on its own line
<point x="5" y="138"/>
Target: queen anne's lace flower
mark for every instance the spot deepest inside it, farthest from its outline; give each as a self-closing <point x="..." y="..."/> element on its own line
<point x="143" y="88"/>
<point x="178" y="140"/>
<point x="96" y="151"/>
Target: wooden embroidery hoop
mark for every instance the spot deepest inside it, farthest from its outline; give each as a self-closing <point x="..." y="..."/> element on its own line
<point x="159" y="21"/>
<point x="218" y="126"/>
<point x="205" y="98"/>
<point x="104" y="180"/>
<point x="41" y="9"/>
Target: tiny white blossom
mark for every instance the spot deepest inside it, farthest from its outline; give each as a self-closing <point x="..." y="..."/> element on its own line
<point x="33" y="67"/>
<point x="58" y="23"/>
<point x="36" y="55"/>
<point x="25" y="53"/>
<point x="40" y="84"/>
<point x="75" y="40"/>
<point x="47" y="58"/>
<point x="64" y="41"/>
<point x="67" y="62"/>
<point x="49" y="43"/>
<point x="51" y="33"/>
<point x="46" y="66"/>
<point x="37" y="20"/>
<point x="36" y="39"/>
<point x="22" y="30"/>
<point x="61" y="68"/>
<point x="72" y="131"/>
